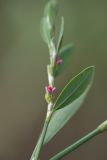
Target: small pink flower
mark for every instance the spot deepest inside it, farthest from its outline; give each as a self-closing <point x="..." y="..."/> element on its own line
<point x="58" y="60"/>
<point x="50" y="89"/>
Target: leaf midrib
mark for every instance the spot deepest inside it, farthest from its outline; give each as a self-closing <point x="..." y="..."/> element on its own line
<point x="72" y="92"/>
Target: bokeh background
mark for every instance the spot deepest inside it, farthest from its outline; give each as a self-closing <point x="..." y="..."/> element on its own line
<point x="23" y="59"/>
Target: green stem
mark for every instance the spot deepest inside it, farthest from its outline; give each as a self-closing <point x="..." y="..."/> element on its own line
<point x="37" y="150"/>
<point x="77" y="144"/>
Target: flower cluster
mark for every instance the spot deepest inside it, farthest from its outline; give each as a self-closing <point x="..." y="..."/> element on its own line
<point x="58" y="61"/>
<point x="50" y="89"/>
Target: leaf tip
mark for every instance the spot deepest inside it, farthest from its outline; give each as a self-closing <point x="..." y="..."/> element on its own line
<point x="91" y="70"/>
<point x="103" y="127"/>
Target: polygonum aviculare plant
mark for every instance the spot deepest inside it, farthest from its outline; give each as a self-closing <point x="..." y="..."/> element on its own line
<point x="72" y="96"/>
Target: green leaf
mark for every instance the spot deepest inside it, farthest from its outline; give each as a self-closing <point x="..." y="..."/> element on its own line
<point x="51" y="11"/>
<point x="45" y="31"/>
<point x="76" y="145"/>
<point x="63" y="115"/>
<point x="48" y="21"/>
<point x="61" y="34"/>
<point x="64" y="54"/>
<point x="74" y="88"/>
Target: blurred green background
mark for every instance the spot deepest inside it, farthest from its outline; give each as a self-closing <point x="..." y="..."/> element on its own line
<point x="23" y="59"/>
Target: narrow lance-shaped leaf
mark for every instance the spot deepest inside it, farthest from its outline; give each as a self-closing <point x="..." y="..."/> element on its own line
<point x="65" y="55"/>
<point x="61" y="34"/>
<point x="63" y="115"/>
<point x="45" y="31"/>
<point x="74" y="88"/>
<point x="100" y="129"/>
<point x="51" y="11"/>
<point x="48" y="21"/>
<point x="76" y="145"/>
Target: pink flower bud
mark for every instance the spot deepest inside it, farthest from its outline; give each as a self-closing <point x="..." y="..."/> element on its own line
<point x="50" y="89"/>
<point x="58" y="60"/>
